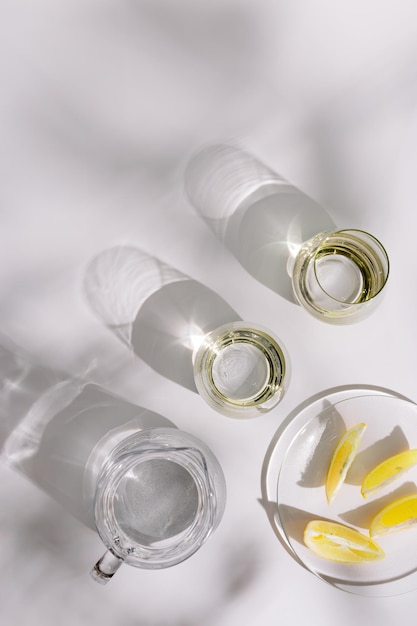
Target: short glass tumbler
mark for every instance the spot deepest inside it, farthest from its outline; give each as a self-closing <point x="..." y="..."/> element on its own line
<point x="339" y="276"/>
<point x="159" y="497"/>
<point x="241" y="370"/>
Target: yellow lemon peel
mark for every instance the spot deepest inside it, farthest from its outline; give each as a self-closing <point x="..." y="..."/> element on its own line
<point x="389" y="470"/>
<point x="342" y="459"/>
<point x="396" y="516"/>
<point x="336" y="542"/>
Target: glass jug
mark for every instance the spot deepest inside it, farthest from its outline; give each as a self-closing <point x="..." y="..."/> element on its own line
<point x="153" y="493"/>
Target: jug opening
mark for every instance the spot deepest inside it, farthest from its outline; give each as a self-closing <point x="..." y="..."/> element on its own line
<point x="159" y="496"/>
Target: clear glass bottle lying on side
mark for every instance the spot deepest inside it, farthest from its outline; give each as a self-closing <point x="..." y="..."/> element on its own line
<point x="153" y="493"/>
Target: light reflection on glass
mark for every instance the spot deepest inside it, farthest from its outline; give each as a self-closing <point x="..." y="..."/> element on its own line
<point x="161" y="313"/>
<point x="166" y="321"/>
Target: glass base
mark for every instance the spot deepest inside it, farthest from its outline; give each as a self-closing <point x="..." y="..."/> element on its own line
<point x="338" y="276"/>
<point x="240" y="370"/>
<point x="295" y="477"/>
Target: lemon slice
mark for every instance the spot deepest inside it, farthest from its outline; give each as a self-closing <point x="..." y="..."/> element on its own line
<point x="398" y="515"/>
<point x="342" y="458"/>
<point x="337" y="542"/>
<point x="388" y="471"/>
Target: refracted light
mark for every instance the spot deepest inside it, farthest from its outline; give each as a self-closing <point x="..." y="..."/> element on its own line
<point x="193" y="336"/>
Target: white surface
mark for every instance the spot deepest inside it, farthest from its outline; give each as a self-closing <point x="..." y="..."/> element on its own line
<point x="102" y="102"/>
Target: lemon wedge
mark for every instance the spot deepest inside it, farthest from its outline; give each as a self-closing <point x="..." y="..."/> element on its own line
<point x="337" y="542"/>
<point x="388" y="471"/>
<point x="396" y="516"/>
<point x="342" y="458"/>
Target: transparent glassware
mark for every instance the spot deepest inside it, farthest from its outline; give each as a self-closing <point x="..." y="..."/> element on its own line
<point x="159" y="496"/>
<point x="339" y="276"/>
<point x="187" y="332"/>
<point x="284" y="238"/>
<point x="153" y="493"/>
<point x="294" y="477"/>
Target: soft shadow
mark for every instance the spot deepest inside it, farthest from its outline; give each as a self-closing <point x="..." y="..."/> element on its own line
<point x="365" y="107"/>
<point x="331" y="427"/>
<point x="295" y="520"/>
<point x="240" y="565"/>
<point x="260" y="217"/>
<point x="362" y="516"/>
<point x="268" y="499"/>
<point x="365" y="460"/>
<point x="188" y="63"/>
<point x="271" y="510"/>
<point x="160" y="313"/>
<point x="171" y="321"/>
<point x="58" y="431"/>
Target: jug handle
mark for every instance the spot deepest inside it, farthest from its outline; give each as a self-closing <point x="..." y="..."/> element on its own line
<point x="106" y="567"/>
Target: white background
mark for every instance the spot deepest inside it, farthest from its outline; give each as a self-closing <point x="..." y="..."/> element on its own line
<point x="102" y="102"/>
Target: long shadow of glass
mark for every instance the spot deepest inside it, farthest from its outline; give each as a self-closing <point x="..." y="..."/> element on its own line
<point x="160" y="313"/>
<point x="295" y="520"/>
<point x="57" y="430"/>
<point x="260" y="217"/>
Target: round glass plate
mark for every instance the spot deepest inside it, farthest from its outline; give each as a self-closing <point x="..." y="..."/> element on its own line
<point x="299" y="463"/>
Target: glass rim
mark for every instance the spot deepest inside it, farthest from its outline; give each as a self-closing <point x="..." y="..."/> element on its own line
<point x="375" y="240"/>
<point x="254" y="405"/>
